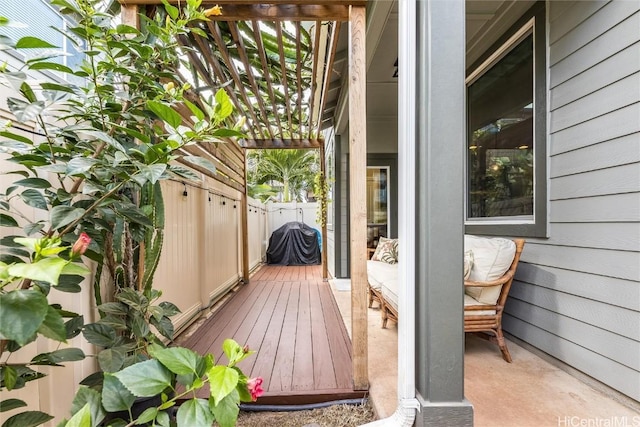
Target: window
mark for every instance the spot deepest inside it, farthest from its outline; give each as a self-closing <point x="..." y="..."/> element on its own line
<point x="506" y="135"/>
<point x="377" y="204"/>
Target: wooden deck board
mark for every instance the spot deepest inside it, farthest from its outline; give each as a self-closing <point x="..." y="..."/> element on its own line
<point x="289" y="317"/>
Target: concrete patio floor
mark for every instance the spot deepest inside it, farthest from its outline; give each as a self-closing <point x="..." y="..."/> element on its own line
<point x="528" y="392"/>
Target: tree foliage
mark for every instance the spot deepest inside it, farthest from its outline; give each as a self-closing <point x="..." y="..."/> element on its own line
<point x="293" y="170"/>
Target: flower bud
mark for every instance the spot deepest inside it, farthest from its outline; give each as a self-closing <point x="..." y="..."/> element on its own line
<point x="81" y="245"/>
<point x="214" y="11"/>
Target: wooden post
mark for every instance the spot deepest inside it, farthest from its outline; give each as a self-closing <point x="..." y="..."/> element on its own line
<point x="323" y="171"/>
<point x="130" y="15"/>
<point x="244" y="208"/>
<point x="358" y="189"/>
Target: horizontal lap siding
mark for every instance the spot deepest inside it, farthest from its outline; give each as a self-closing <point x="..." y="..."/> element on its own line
<point x="577" y="294"/>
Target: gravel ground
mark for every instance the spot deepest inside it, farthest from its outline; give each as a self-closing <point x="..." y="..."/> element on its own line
<point x="332" y="416"/>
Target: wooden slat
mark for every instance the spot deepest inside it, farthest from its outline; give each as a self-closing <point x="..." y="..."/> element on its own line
<point x="207" y="3"/>
<point x="282" y="374"/>
<point x="199" y="151"/>
<point x="299" y="80"/>
<point x="303" y="361"/>
<point x="287" y="100"/>
<point x="281" y="143"/>
<point x="358" y="188"/>
<point x="314" y="113"/>
<point x="323" y="371"/>
<point x="242" y="52"/>
<point x="214" y="29"/>
<point x="329" y="69"/>
<point x="263" y="59"/>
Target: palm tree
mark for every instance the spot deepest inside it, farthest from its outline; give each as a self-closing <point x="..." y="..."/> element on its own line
<point x="294" y="169"/>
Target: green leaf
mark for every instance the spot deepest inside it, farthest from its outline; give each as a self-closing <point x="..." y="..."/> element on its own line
<point x="59" y="356"/>
<point x="146" y="378"/>
<point x="195" y="412"/>
<point x="64" y="215"/>
<point x="46" y="270"/>
<point x="152" y="173"/>
<point x="163" y="420"/>
<point x="233" y="351"/>
<point x="9" y="404"/>
<point x="226" y="411"/>
<point x="133" y="214"/>
<point x="148" y="415"/>
<point x="33" y="228"/>
<point x="166" y="113"/>
<point x="22" y="311"/>
<point x="100" y="335"/>
<point x="169" y="308"/>
<point x="222" y="380"/>
<point x="224" y="107"/>
<point x="27" y="419"/>
<point x="115" y="397"/>
<point x="50" y="66"/>
<point x="74" y="326"/>
<point x="33" y="42"/>
<point x="73" y="268"/>
<point x="25" y="111"/>
<point x="7" y="221"/>
<point x="69" y="283"/>
<point x="53" y="327"/>
<point x="34" y="198"/>
<point x="87" y="396"/>
<point x="178" y="360"/>
<point x="227" y="133"/>
<point x="26" y="90"/>
<point x="82" y="418"/>
<point x="111" y="359"/>
<point x="194" y="109"/>
<point x="116" y="308"/>
<point x="9" y="376"/>
<point x="16" y="137"/>
<point x="56" y="87"/>
<point x="201" y="161"/>
<point x="171" y="10"/>
<point x="80" y="165"/>
<point x="33" y="183"/>
<point x="104" y="137"/>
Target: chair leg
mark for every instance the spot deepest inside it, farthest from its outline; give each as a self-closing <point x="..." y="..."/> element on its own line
<point x="503" y="345"/>
<point x="370" y="298"/>
<point x="385" y="315"/>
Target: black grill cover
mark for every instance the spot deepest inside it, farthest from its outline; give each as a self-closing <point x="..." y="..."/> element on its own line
<point x="295" y="243"/>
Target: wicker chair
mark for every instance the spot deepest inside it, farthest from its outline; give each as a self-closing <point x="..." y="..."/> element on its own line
<point x="487" y="319"/>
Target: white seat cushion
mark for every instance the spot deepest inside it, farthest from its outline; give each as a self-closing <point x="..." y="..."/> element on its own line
<point x="390" y="292"/>
<point x="469" y="301"/>
<point x="492" y="257"/>
<point x="378" y="272"/>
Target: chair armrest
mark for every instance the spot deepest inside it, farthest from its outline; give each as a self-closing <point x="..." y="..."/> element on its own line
<point x="501" y="281"/>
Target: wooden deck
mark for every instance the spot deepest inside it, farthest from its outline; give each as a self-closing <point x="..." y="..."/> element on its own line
<point x="289" y="316"/>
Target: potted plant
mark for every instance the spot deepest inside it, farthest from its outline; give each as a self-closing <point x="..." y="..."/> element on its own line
<point x="94" y="170"/>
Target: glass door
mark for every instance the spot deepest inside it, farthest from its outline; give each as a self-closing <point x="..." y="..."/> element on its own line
<point x="377" y="204"/>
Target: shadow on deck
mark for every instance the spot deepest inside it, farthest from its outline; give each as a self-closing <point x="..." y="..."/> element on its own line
<point x="289" y="316"/>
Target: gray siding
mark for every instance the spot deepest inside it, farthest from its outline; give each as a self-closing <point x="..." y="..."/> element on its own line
<point x="577" y="294"/>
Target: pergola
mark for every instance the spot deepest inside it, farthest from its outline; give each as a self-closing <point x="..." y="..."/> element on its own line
<point x="275" y="60"/>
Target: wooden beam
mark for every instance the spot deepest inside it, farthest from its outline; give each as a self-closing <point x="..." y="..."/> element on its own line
<point x="328" y="71"/>
<point x="358" y="192"/>
<point x="281" y="143"/>
<point x="284" y="12"/>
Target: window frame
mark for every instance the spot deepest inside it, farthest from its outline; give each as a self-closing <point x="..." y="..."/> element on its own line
<point x="532" y="22"/>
